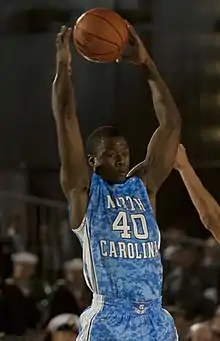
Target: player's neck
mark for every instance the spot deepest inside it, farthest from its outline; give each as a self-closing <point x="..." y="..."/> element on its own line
<point x="111" y="182"/>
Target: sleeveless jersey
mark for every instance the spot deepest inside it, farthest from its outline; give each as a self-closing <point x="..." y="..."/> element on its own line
<point x="121" y="241"/>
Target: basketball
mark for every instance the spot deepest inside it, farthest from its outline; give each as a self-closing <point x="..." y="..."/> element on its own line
<point x="100" y="35"/>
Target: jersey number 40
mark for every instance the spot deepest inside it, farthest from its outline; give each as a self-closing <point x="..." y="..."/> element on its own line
<point x="121" y="224"/>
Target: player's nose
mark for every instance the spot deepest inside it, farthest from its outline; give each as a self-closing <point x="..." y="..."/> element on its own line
<point x="120" y="161"/>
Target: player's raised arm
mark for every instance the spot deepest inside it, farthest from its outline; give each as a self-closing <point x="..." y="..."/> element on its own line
<point x="207" y="207"/>
<point x="74" y="172"/>
<point x="163" y="145"/>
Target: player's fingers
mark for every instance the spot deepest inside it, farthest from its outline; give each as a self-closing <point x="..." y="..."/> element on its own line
<point x="129" y="26"/>
<point x="59" y="39"/>
<point x="67" y="34"/>
<point x="63" y="36"/>
<point x="131" y="30"/>
<point x="63" y="29"/>
<point x="69" y="31"/>
<point x="132" y="41"/>
<point x="124" y="58"/>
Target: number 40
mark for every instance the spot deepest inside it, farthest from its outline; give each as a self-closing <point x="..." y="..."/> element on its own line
<point x="121" y="224"/>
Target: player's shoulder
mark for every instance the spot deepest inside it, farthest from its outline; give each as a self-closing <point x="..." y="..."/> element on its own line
<point x="141" y="171"/>
<point x="95" y="179"/>
<point x="137" y="171"/>
<point x="136" y="179"/>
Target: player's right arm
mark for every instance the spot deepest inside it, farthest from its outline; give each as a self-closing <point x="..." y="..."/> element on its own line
<point x="74" y="175"/>
<point x="205" y="204"/>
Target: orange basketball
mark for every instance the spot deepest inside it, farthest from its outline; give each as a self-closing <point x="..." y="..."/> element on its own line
<point x="100" y="35"/>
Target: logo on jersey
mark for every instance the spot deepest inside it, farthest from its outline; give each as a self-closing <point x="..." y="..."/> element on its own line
<point x="140" y="309"/>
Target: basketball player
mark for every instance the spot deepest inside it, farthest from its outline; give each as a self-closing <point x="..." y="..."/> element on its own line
<point x="111" y="211"/>
<point x="207" y="207"/>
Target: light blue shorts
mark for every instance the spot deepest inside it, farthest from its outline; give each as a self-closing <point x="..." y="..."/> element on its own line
<point x="110" y="319"/>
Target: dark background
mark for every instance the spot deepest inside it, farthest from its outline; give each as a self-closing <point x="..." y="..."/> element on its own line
<point x="184" y="40"/>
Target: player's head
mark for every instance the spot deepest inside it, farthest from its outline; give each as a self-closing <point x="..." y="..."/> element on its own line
<point x="108" y="154"/>
<point x="63" y="327"/>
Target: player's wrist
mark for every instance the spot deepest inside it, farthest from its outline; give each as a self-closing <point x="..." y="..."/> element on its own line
<point x="64" y="65"/>
<point x="184" y="167"/>
<point x="63" y="62"/>
<point x="149" y="65"/>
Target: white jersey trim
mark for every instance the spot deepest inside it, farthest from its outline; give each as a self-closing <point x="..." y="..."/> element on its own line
<point x="81" y="226"/>
<point x="87" y="320"/>
<point x="83" y="234"/>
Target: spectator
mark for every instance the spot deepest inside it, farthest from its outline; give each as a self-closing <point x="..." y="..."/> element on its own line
<point x="6" y="250"/>
<point x="207" y="331"/>
<point x="69" y="294"/>
<point x="183" y="285"/>
<point x="63" y="327"/>
<point x="210" y="266"/>
<point x="182" y="325"/>
<point x="200" y="332"/>
<point x="173" y="235"/>
<point x="14" y="232"/>
<point x="18" y="306"/>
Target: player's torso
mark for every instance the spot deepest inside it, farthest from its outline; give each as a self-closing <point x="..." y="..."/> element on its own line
<point x="123" y="259"/>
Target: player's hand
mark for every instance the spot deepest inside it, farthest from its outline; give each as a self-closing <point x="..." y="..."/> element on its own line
<point x="181" y="158"/>
<point x="136" y="52"/>
<point x="63" y="54"/>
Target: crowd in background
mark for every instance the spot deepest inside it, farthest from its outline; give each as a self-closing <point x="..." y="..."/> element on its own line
<point x="31" y="300"/>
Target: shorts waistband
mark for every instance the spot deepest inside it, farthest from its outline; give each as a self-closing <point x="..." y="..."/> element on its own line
<point x="137" y="307"/>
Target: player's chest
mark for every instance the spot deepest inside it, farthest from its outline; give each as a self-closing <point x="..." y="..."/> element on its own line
<point x="127" y="217"/>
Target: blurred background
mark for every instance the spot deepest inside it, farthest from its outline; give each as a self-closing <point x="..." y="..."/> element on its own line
<point x="184" y="39"/>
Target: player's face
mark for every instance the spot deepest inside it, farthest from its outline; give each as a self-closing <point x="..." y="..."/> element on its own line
<point x="113" y="159"/>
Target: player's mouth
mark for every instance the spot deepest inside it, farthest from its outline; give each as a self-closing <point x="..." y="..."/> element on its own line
<point x="122" y="171"/>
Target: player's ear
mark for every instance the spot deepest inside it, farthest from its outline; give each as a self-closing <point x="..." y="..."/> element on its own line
<point x="91" y="160"/>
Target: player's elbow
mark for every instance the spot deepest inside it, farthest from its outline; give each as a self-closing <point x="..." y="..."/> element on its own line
<point x="211" y="221"/>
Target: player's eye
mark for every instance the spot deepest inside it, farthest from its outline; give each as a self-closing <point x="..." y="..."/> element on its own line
<point x="125" y="154"/>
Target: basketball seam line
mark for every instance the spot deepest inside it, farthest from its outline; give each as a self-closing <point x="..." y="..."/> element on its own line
<point x="92" y="55"/>
<point x="99" y="16"/>
<point x="100" y="38"/>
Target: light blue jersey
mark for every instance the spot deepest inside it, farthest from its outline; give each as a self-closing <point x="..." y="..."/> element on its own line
<point x="121" y="241"/>
<point x="122" y="266"/>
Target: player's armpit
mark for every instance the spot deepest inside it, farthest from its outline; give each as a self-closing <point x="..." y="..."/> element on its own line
<point x="78" y="205"/>
<point x="160" y="157"/>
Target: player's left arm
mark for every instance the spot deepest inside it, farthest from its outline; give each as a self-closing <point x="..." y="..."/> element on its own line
<point x="162" y="148"/>
<point x="163" y="145"/>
